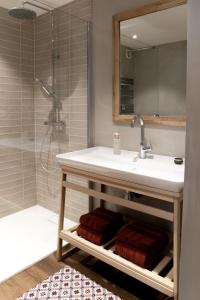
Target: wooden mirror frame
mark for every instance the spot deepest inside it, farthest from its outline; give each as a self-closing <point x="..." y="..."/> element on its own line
<point x="141" y="11"/>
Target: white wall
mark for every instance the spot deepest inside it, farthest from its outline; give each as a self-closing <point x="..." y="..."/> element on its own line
<point x="190" y="261"/>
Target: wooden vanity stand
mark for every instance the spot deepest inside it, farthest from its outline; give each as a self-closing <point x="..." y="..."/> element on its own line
<point x="167" y="284"/>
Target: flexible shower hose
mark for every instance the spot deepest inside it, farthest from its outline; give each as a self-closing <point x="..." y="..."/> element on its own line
<point x="45" y="165"/>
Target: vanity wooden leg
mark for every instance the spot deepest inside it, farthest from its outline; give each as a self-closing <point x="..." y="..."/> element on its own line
<point x="61" y="218"/>
<point x="177" y="242"/>
<point x="102" y="202"/>
<point x="91" y="199"/>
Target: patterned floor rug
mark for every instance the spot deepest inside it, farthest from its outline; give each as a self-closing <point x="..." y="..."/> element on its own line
<point x="68" y="284"/>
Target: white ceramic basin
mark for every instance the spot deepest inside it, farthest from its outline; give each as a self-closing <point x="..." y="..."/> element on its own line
<point x="158" y="171"/>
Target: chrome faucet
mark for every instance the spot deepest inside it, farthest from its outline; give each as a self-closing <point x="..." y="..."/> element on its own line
<point x="144" y="148"/>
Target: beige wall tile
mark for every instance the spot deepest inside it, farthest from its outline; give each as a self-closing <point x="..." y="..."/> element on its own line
<point x="71" y="74"/>
<point x="16" y="112"/>
<point x="24" y="108"/>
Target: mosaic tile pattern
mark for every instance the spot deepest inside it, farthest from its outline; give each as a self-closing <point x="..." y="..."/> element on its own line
<point x="68" y="284"/>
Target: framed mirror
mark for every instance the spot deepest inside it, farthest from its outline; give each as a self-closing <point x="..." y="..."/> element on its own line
<point x="149" y="63"/>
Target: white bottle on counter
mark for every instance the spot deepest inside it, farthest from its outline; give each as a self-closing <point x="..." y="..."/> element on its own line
<point x="116" y="143"/>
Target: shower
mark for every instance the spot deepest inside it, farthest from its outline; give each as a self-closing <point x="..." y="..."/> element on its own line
<point x="54" y="124"/>
<point x="28" y="14"/>
<point x="24" y="13"/>
<point x="44" y="75"/>
<point x="44" y="87"/>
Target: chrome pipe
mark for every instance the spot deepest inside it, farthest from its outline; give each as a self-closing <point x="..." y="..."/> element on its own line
<point x="36" y="5"/>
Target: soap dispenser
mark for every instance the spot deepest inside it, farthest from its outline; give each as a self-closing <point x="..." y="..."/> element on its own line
<point x="116" y="143"/>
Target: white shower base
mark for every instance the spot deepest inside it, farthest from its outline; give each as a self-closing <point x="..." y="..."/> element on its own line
<point x="27" y="237"/>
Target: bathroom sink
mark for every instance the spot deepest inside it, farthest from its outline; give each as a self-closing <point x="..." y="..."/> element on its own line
<point x="156" y="171"/>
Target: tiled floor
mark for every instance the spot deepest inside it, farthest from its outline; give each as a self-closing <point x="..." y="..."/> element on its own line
<point x="27" y="237"/>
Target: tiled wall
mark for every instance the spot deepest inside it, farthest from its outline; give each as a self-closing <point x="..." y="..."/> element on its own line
<point x="24" y="108"/>
<point x="17" y="163"/>
<point x="71" y="89"/>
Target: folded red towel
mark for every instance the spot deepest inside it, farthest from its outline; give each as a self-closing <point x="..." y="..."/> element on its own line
<point x="143" y="238"/>
<point x="102" y="220"/>
<point x="94" y="236"/>
<point x="137" y="256"/>
<point x="111" y="215"/>
<point x="159" y="234"/>
<point x="97" y="223"/>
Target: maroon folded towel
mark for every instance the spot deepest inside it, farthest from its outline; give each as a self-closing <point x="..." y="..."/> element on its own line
<point x="102" y="220"/>
<point x="143" y="238"/>
<point x="111" y="215"/>
<point x="137" y="256"/>
<point x="94" y="236"/>
<point x="159" y="234"/>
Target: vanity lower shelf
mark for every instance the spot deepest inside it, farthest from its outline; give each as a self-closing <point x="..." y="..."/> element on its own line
<point x="106" y="254"/>
<point x="167" y="284"/>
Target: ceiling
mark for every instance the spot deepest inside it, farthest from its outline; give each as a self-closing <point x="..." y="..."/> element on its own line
<point x="53" y="3"/>
<point x="159" y="28"/>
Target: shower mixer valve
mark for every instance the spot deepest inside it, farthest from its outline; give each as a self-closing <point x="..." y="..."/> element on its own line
<point x="59" y="125"/>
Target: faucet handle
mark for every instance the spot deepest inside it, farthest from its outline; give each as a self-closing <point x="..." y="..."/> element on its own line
<point x="148" y="146"/>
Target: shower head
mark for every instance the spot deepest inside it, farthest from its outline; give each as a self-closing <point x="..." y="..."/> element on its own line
<point x="44" y="87"/>
<point x="28" y="14"/>
<point x="22" y="13"/>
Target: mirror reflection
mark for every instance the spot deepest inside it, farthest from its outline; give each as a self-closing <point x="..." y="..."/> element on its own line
<point x="153" y="54"/>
